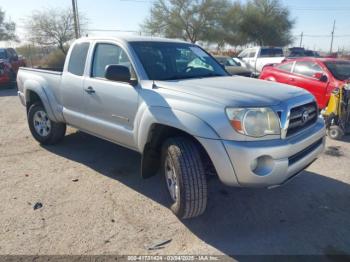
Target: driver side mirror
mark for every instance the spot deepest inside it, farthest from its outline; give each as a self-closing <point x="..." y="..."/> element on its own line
<point x="119" y="73"/>
<point x="321" y="77"/>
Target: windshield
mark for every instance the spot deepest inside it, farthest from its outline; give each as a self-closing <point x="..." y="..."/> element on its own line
<point x="339" y="69"/>
<point x="170" y="61"/>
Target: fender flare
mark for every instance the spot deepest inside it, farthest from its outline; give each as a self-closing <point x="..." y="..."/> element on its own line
<point x="178" y="119"/>
<point x="37" y="88"/>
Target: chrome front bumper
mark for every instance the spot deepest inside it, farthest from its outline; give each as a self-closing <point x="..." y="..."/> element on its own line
<point x="234" y="160"/>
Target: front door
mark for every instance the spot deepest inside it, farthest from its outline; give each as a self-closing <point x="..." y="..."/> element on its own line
<point x="110" y="106"/>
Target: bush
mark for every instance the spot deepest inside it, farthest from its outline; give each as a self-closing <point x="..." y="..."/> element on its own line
<point x="54" y="59"/>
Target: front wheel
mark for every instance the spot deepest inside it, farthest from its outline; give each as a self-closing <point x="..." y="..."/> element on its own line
<point x="185" y="177"/>
<point x="44" y="130"/>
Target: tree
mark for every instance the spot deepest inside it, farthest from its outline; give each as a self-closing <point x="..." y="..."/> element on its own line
<point x="51" y="27"/>
<point x="191" y="20"/>
<point x="266" y="22"/>
<point x="7" y="29"/>
<point x="228" y="30"/>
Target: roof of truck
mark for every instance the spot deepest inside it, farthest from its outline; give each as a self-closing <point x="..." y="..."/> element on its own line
<point x="135" y="39"/>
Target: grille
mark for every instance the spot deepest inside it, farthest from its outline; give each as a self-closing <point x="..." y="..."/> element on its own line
<point x="302" y="117"/>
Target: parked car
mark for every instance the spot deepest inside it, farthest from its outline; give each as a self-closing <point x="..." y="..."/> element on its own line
<point x="9" y="65"/>
<point x="189" y="120"/>
<point x="4" y="73"/>
<point x="257" y="58"/>
<point x="232" y="66"/>
<point x="319" y="76"/>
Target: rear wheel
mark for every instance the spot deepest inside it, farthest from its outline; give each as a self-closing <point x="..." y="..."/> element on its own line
<point x="43" y="129"/>
<point x="335" y="132"/>
<point x="185" y="177"/>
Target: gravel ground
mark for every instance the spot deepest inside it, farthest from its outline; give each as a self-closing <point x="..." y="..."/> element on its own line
<point x="95" y="202"/>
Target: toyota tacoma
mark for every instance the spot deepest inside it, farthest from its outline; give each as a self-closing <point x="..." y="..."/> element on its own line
<point x="172" y="102"/>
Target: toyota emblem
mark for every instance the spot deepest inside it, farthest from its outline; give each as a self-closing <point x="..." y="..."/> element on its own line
<point x="305" y="116"/>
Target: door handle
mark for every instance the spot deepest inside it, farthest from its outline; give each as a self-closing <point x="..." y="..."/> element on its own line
<point x="90" y="90"/>
<point x="291" y="79"/>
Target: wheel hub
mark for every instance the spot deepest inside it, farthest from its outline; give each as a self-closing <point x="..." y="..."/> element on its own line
<point x="171" y="179"/>
<point x="42" y="124"/>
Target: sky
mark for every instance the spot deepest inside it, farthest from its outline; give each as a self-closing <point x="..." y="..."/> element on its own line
<point x="314" y="18"/>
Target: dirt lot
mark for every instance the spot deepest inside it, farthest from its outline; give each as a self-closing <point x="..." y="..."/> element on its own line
<point x="95" y="202"/>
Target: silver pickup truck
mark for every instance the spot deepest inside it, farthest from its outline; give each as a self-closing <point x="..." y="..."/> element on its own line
<point x="173" y="103"/>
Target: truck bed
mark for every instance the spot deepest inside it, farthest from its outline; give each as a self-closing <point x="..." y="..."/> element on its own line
<point x="52" y="70"/>
<point x="39" y="79"/>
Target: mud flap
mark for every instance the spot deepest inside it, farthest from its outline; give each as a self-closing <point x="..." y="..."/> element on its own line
<point x="150" y="162"/>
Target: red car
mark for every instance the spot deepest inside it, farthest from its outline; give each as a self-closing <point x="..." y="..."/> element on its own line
<point x="320" y="76"/>
<point x="9" y="64"/>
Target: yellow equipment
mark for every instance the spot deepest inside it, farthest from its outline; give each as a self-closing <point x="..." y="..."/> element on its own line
<point x="337" y="113"/>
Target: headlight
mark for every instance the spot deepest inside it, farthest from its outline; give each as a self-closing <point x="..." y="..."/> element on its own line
<point x="255" y="122"/>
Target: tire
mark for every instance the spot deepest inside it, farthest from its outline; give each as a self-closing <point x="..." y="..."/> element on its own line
<point x="44" y="130"/>
<point x="335" y="132"/>
<point x="181" y="159"/>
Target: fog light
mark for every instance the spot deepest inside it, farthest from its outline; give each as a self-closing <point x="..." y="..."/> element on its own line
<point x="263" y="166"/>
<point x="254" y="164"/>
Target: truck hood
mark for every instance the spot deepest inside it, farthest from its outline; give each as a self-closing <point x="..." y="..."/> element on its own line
<point x="233" y="91"/>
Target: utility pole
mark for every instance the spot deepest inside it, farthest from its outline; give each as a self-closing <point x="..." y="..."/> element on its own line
<point x="331" y="50"/>
<point x="78" y="19"/>
<point x="76" y="27"/>
<point x="301" y="38"/>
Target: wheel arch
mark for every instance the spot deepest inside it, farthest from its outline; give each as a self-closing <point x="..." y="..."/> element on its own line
<point x="152" y="150"/>
<point x="35" y="94"/>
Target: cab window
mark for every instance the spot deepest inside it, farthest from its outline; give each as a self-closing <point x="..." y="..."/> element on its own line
<point x="108" y="54"/>
<point x="77" y="59"/>
<point x="252" y="53"/>
<point x="308" y="69"/>
<point x="287" y="67"/>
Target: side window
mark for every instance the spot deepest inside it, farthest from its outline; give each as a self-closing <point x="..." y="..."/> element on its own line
<point x="77" y="60"/>
<point x="252" y="53"/>
<point x="287" y="67"/>
<point x="308" y="69"/>
<point x="109" y="54"/>
<point x="3" y="54"/>
<point x="243" y="54"/>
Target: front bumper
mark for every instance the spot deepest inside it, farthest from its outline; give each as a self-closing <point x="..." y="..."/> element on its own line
<point x="235" y="160"/>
